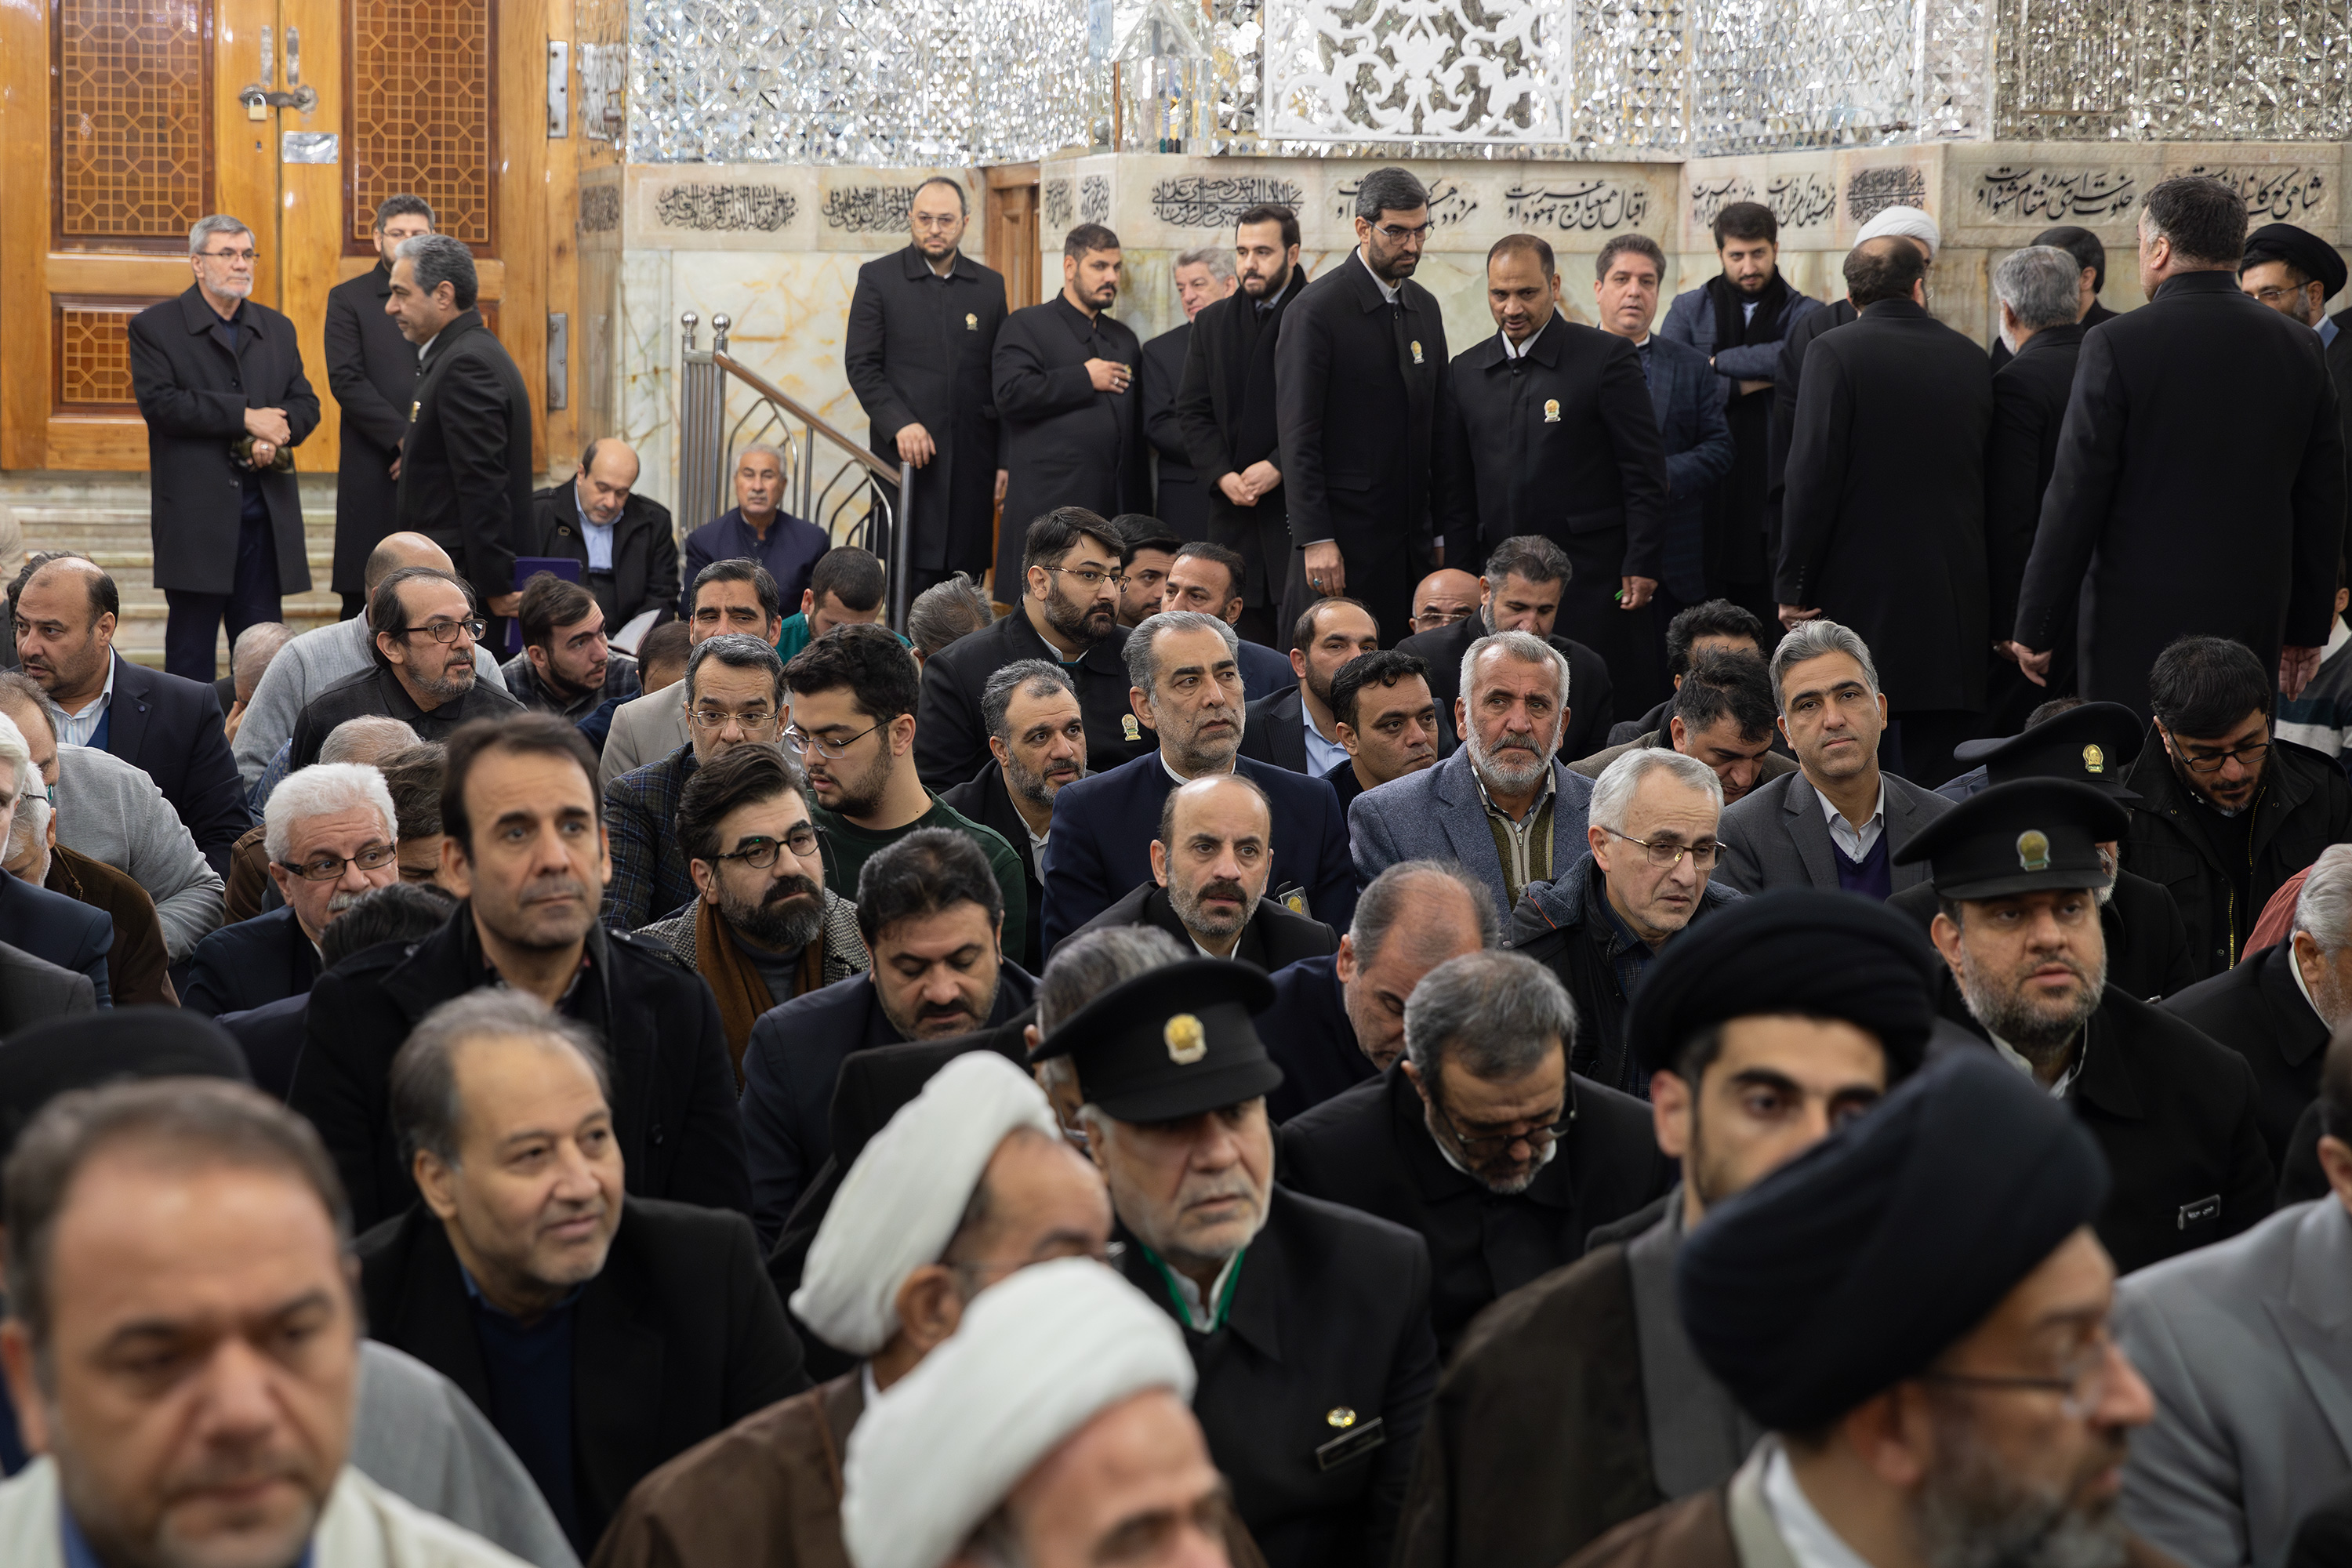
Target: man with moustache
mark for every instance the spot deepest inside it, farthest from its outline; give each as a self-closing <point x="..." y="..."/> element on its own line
<point x="2295" y="273"/>
<point x="1036" y="744"/>
<point x="1226" y="409"/>
<point x="1525" y="583"/>
<point x="371" y="370"/>
<point x="1384" y="718"/>
<point x="1293" y="727"/>
<point x="1721" y="713"/>
<point x="758" y="530"/>
<point x="1202" y="276"/>
<point x="424" y="634"/>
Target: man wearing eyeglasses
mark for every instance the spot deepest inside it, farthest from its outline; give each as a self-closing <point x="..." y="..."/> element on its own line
<point x="333" y="834"/>
<point x="424" y="632"/>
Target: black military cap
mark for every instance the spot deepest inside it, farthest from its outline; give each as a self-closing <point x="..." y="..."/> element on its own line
<point x="2028" y="836"/>
<point x="2299" y="248"/>
<point x="1171" y="1042"/>
<point x="111" y="1046"/>
<point x="2093" y="743"/>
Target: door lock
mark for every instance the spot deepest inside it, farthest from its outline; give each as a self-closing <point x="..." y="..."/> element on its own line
<point x="259" y="101"/>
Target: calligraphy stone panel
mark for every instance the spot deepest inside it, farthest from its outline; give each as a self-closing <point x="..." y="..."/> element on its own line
<point x="2296" y="184"/>
<point x="1215" y="202"/>
<point x="1804" y="191"/>
<point x="726" y="207"/>
<point x="2004" y="193"/>
<point x="865" y="210"/>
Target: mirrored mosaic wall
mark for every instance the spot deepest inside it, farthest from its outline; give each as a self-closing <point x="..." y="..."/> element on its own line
<point x="892" y="83"/>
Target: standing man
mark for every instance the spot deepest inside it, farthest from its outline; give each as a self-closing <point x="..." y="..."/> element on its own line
<point x="1210" y="578"/>
<point x="2200" y="407"/>
<point x="371" y="370"/>
<point x="1227" y="410"/>
<point x="2090" y="277"/>
<point x="1063" y="374"/>
<point x="1550" y="431"/>
<point x="466" y="482"/>
<point x="1360" y="400"/>
<point x="2295" y="273"/>
<point x="1203" y="277"/>
<point x="758" y="529"/>
<point x="1738" y="318"/>
<point x="219" y="382"/>
<point x="922" y="333"/>
<point x="1886" y="487"/>
<point x="624" y="543"/>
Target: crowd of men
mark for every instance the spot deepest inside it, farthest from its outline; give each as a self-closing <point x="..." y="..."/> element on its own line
<point x="1725" y="946"/>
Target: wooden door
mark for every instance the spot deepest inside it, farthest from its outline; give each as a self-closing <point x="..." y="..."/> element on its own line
<point x="1010" y="241"/>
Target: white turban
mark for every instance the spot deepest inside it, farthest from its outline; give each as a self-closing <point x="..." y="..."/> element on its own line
<point x="1909" y="222"/>
<point x="899" y="1205"/>
<point x="1037" y="1358"/>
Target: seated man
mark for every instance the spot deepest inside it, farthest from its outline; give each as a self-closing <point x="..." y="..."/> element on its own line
<point x="2017" y="870"/>
<point x="1384" y="718"/>
<point x="1722" y="713"/>
<point x="852" y="698"/>
<point x="1481" y="1139"/>
<point x="412" y="774"/>
<point x="624" y="543"/>
<point x="49" y="926"/>
<point x="567" y="666"/>
<point x="1525" y="577"/>
<point x="1147" y="549"/>
<point x="1578" y="1403"/>
<point x="1503" y="806"/>
<point x="248" y="661"/>
<point x="1446" y="595"/>
<point x="1838" y="821"/>
<point x="727" y="599"/>
<point x="844" y="589"/>
<point x="966" y="1186"/>
<point x="944" y="612"/>
<point x="758" y="530"/>
<point x="1210" y="578"/>
<point x="1036" y="744"/>
<point x="525" y="848"/>
<point x="424" y="632"/>
<point x="763" y="927"/>
<point x="1210" y="861"/>
<point x="333" y="834"/>
<point x="1714" y="626"/>
<point x="931" y="912"/>
<point x="1643" y="879"/>
<point x="136" y="970"/>
<point x="734" y="693"/>
<point x="1294" y="726"/>
<point x="527" y="1278"/>
<point x="366" y="740"/>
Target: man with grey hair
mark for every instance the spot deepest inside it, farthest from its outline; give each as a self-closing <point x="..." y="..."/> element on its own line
<point x="466" y="470"/>
<point x="1204" y="274"/>
<point x="371" y="370"/>
<point x="426" y="638"/>
<point x="219" y="380"/>
<point x="1036" y="744"/>
<point x="249" y="659"/>
<point x="1645" y="876"/>
<point x="1504" y="805"/>
<point x="1481" y="1139"/>
<point x="950" y="608"/>
<point x="51" y="926"/>
<point x="758" y="529"/>
<point x="1834" y="822"/>
<point x="1186" y="685"/>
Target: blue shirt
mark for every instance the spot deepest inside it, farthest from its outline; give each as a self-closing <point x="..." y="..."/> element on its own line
<point x="530" y="1371"/>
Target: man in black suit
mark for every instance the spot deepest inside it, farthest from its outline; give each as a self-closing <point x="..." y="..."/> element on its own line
<point x="1063" y="374"/>
<point x="918" y="352"/>
<point x="2090" y="276"/>
<point x="624" y="543"/>
<point x="422" y="636"/>
<point x="466" y="475"/>
<point x="2200" y="406"/>
<point x="1210" y="578"/>
<point x="1525" y="580"/>
<point x="601" y="1333"/>
<point x="1067" y="613"/>
<point x="1209" y="860"/>
<point x="1885" y="485"/>
<point x="1360" y="399"/>
<point x="219" y="382"/>
<point x="371" y="370"/>
<point x="1203" y="276"/>
<point x="1227" y="407"/>
<point x="1550" y="431"/>
<point x="1296" y="728"/>
<point x="1036" y="744"/>
<point x="170" y="728"/>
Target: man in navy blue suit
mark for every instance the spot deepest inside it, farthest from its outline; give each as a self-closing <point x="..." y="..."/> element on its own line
<point x="1187" y="687"/>
<point x="65" y="932"/>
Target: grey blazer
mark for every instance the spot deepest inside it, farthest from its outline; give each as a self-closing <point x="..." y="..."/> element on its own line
<point x="2248" y="1346"/>
<point x="1437" y="814"/>
<point x="32" y="989"/>
<point x="644" y="730"/>
<point x="1778" y="836"/>
<point x="110" y="811"/>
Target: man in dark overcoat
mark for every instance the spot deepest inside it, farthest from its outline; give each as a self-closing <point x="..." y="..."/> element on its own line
<point x="922" y="327"/>
<point x="219" y="380"/>
<point x="1203" y="276"/>
<point x="371" y="370"/>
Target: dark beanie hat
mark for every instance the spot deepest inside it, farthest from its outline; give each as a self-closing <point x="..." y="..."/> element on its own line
<point x="111" y="1045"/>
<point x="1857" y="1263"/>
<point x="1793" y="949"/>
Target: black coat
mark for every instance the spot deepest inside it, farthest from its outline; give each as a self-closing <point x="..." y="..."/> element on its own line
<point x="1330" y="1312"/>
<point x="2258" y="1011"/>
<point x="376" y="690"/>
<point x="2304" y="806"/>
<point x="1274" y="938"/>
<point x="371" y="370"/>
<point x="1786" y="385"/>
<point x="951" y="741"/>
<point x="1065" y="444"/>
<point x="1564" y="442"/>
<point x="251" y="963"/>
<point x="2148" y="955"/>
<point x="1273" y="731"/>
<point x="2339" y="371"/>
<point x="917" y="352"/>
<point x="170" y="728"/>
<point x="1179" y="497"/>
<point x="2199" y="487"/>
<point x="1360" y="398"/>
<point x="1307" y="1034"/>
<point x="2091" y="318"/>
<point x="984" y="799"/>
<point x="1370" y="1149"/>
<point x="678" y="1338"/>
<point x="466" y="474"/>
<point x="2029" y="393"/>
<point x="645" y="553"/>
<point x="62" y="931"/>
<point x="2324" y="1539"/>
<point x="1227" y="407"/>
<point x="194" y="396"/>
<point x="1592" y="695"/>
<point x="1885" y="485"/>
<point x="673" y="1082"/>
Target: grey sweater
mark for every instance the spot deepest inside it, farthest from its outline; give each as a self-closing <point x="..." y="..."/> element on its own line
<point x="111" y="811"/>
<point x="303" y="669"/>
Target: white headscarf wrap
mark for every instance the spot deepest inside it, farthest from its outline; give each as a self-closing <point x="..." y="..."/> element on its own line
<point x="1909" y="222"/>
<point x="900" y="1204"/>
<point x="1037" y="1358"/>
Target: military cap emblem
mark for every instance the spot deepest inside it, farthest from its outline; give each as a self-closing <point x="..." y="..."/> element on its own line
<point x="1128" y="729"/>
<point x="1188" y="1042"/>
<point x="1551" y="410"/>
<point x="1341" y="1417"/>
<point x="2095" y="761"/>
<point x="2033" y="850"/>
<point x="970" y="322"/>
<point x="1416" y="351"/>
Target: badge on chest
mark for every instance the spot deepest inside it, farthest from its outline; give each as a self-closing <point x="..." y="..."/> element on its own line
<point x="970" y="322"/>
<point x="1355" y="1439"/>
<point x="1551" y="410"/>
<point x="1416" y="351"/>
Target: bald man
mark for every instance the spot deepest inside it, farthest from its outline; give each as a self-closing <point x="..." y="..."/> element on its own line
<point x="1446" y="595"/>
<point x="624" y="541"/>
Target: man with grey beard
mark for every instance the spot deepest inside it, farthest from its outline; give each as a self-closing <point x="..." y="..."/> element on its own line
<point x="2017" y="870"/>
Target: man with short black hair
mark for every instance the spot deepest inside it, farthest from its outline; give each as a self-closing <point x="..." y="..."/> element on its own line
<point x="1293" y="727"/>
<point x="371" y="370"/>
<point x="424" y="634"/>
<point x="1712" y="624"/>
<point x="1147" y="548"/>
<point x="1525" y="581"/>
<point x="567" y="666"/>
<point x="1384" y="718"/>
<point x="1037" y="744"/>
<point x="624" y="543"/>
<point x="734" y="597"/>
<point x="1202" y="275"/>
<point x="1208" y="578"/>
<point x="844" y="589"/>
<point x="1721" y="713"/>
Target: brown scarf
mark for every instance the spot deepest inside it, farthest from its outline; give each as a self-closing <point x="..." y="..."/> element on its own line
<point x="736" y="981"/>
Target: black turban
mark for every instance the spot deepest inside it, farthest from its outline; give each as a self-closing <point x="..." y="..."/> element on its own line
<point x="1793" y="949"/>
<point x="2299" y="248"/>
<point x="111" y="1045"/>
<point x="1857" y="1263"/>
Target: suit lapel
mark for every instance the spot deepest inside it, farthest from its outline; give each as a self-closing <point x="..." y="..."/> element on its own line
<point x="1291" y="731"/>
<point x="1801" y="811"/>
<point x="1463" y="814"/>
<point x="1903" y="812"/>
<point x="2315" y="1318"/>
<point x="433" y="1321"/>
<point x="126" y="722"/>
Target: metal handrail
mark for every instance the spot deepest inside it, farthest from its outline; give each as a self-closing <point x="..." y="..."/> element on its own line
<point x="706" y="439"/>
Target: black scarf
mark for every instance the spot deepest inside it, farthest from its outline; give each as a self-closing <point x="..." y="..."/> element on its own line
<point x="1733" y="327"/>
